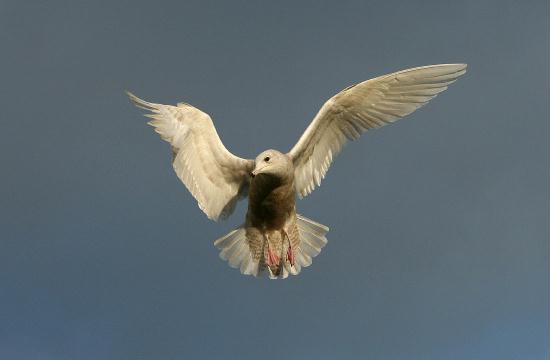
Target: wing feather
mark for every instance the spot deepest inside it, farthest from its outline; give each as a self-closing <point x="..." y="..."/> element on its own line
<point x="361" y="107"/>
<point x="212" y="174"/>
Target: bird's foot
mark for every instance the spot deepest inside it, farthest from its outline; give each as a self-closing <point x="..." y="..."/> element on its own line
<point x="290" y="255"/>
<point x="272" y="258"/>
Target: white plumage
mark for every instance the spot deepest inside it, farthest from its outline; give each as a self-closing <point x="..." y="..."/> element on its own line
<point x="274" y="239"/>
<point x="358" y="108"/>
<point x="214" y="176"/>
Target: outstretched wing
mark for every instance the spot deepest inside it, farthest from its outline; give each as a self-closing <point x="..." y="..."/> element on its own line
<point x="358" y="108"/>
<point x="215" y="177"/>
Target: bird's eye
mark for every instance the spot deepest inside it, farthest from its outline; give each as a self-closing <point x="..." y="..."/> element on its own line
<point x="266" y="159"/>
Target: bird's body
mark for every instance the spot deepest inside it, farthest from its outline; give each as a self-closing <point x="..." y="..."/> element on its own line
<point x="271" y="226"/>
<point x="274" y="239"/>
<point x="271" y="196"/>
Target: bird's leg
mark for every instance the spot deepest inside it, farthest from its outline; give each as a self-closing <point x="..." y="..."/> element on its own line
<point x="289" y="251"/>
<point x="272" y="258"/>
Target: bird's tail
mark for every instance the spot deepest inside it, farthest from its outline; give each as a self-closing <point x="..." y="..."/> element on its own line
<point x="234" y="248"/>
<point x="312" y="240"/>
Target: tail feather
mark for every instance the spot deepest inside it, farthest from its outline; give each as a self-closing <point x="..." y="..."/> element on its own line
<point x="309" y="248"/>
<point x="303" y="259"/>
<point x="313" y="227"/>
<point x="235" y="250"/>
<point x="228" y="240"/>
<point x="312" y="239"/>
<point x="229" y="243"/>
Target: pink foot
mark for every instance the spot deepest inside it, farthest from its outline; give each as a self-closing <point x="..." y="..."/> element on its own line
<point x="290" y="255"/>
<point x="272" y="258"/>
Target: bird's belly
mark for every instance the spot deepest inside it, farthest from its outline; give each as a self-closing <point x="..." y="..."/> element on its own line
<point x="271" y="210"/>
<point x="270" y="214"/>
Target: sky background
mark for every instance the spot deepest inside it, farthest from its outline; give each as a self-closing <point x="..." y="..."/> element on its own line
<point x="438" y="246"/>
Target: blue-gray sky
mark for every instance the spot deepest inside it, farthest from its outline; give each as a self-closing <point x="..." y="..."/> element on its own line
<point x="438" y="244"/>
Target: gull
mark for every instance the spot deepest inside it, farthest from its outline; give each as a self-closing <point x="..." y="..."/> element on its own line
<point x="275" y="240"/>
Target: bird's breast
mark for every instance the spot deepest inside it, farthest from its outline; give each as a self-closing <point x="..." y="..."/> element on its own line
<point x="270" y="202"/>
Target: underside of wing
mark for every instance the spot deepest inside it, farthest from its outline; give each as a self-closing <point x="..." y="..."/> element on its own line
<point x="213" y="175"/>
<point x="361" y="107"/>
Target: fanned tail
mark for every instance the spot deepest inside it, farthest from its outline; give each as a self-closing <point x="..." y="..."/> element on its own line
<point x="234" y="249"/>
<point x="312" y="241"/>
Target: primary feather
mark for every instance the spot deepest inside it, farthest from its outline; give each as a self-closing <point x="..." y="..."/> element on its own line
<point x="213" y="175"/>
<point x="358" y="108"/>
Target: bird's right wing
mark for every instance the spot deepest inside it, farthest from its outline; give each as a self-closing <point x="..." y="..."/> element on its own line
<point x="358" y="108"/>
<point x="215" y="177"/>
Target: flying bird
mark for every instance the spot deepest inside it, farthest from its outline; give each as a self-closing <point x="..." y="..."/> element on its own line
<point x="275" y="240"/>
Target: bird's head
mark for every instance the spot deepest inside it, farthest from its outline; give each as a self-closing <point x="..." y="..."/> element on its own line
<point x="274" y="163"/>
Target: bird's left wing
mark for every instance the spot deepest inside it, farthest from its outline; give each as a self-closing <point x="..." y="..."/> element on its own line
<point x="358" y="108"/>
<point x="213" y="175"/>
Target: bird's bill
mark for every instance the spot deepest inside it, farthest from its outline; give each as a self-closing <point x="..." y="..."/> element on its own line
<point x="256" y="171"/>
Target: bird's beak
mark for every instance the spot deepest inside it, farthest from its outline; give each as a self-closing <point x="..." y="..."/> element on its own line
<point x="256" y="171"/>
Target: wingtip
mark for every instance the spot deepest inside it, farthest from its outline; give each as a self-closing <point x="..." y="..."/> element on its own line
<point x="456" y="68"/>
<point x="130" y="95"/>
<point x="133" y="97"/>
<point x="462" y="66"/>
<point x="139" y="102"/>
